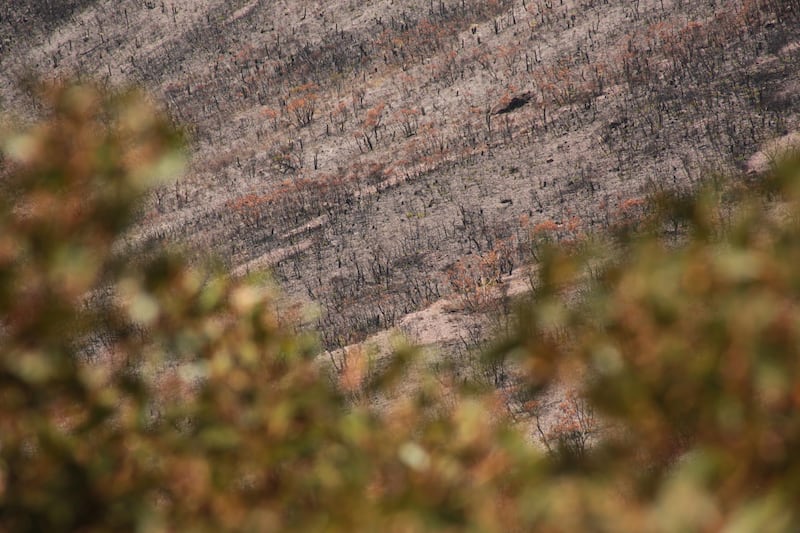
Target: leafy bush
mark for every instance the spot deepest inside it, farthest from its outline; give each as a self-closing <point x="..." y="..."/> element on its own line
<point x="685" y="342"/>
<point x="139" y="391"/>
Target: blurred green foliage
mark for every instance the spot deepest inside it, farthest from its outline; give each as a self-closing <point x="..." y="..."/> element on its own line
<point x="199" y="411"/>
<point x="685" y="343"/>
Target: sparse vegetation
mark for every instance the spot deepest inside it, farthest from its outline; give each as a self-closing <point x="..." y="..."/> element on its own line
<point x="611" y="100"/>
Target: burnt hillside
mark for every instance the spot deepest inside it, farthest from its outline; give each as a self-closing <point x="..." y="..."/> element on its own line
<point x="381" y="155"/>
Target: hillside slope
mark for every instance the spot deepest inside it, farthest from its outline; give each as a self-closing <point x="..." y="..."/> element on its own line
<point x="378" y="156"/>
